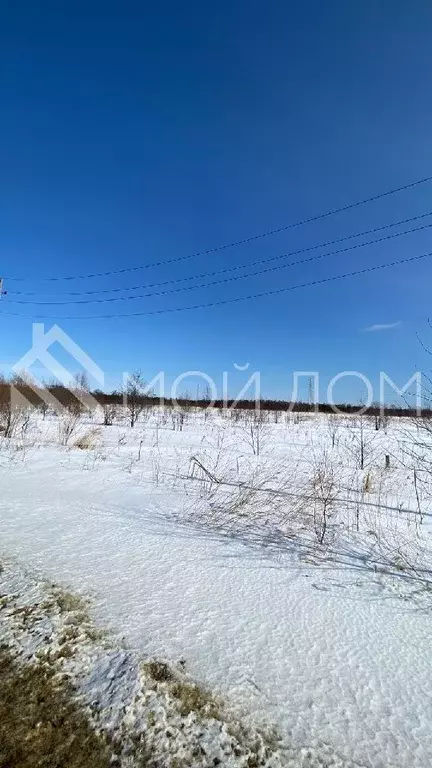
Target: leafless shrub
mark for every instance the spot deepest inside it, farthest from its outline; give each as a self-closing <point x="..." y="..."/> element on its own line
<point x="43" y="408"/>
<point x="13" y="419"/>
<point x="68" y="425"/>
<point x="418" y="497"/>
<point x="416" y="456"/>
<point x="135" y="459"/>
<point x="417" y="444"/>
<point x="109" y="414"/>
<point x="333" y="426"/>
<point x="256" y="433"/>
<point x="396" y="544"/>
<point x="162" y="416"/>
<point x="178" y="420"/>
<point x="360" y="442"/>
<point x="135" y="391"/>
<point x="380" y="419"/>
<point x="251" y="503"/>
<point x="325" y="492"/>
<point x="156" y="466"/>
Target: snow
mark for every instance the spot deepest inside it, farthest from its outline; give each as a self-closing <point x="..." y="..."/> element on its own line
<point x="330" y="646"/>
<point x="117" y="693"/>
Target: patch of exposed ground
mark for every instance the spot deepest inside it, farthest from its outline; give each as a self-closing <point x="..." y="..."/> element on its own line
<point x="70" y="689"/>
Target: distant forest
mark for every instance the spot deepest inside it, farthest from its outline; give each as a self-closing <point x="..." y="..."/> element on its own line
<point x="69" y="398"/>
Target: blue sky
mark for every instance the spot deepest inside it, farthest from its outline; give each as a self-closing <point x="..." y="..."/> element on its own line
<point x="139" y="132"/>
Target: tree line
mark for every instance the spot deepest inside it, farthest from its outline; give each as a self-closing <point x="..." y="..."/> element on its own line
<point x="79" y="394"/>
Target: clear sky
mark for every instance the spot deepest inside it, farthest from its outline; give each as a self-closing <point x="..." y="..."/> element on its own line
<point x="138" y="132"/>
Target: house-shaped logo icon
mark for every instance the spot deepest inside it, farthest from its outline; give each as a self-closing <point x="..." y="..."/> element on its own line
<point x="39" y="353"/>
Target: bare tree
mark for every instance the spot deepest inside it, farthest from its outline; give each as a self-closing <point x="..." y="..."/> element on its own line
<point x="134" y="393"/>
<point x="68" y="424"/>
<point x="207" y="394"/>
<point x="416" y="447"/>
<point x="81" y="382"/>
<point x="323" y="494"/>
<point x="177" y="420"/>
<point x="14" y="413"/>
<point x="43" y="407"/>
<point x="255" y="433"/>
<point x="360" y="442"/>
<point x="333" y="425"/>
<point x="109" y="414"/>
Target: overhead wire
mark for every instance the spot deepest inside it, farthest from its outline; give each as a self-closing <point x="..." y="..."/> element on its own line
<point x="224" y="302"/>
<point x="232" y="244"/>
<point x="214" y="273"/>
<point x="222" y="281"/>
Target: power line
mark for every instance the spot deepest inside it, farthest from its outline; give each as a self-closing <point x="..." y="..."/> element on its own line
<point x="234" y="243"/>
<point x="214" y="273"/>
<point x="224" y="280"/>
<point x="224" y="302"/>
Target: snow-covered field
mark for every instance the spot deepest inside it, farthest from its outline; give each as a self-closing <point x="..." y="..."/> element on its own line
<point x="280" y="559"/>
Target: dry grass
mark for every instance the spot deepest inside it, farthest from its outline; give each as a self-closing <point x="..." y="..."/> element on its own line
<point x="88" y="441"/>
<point x="193" y="698"/>
<point x="189" y="696"/>
<point x="158" y="671"/>
<point x="79" y="617"/>
<point x="40" y="722"/>
<point x="67" y="602"/>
